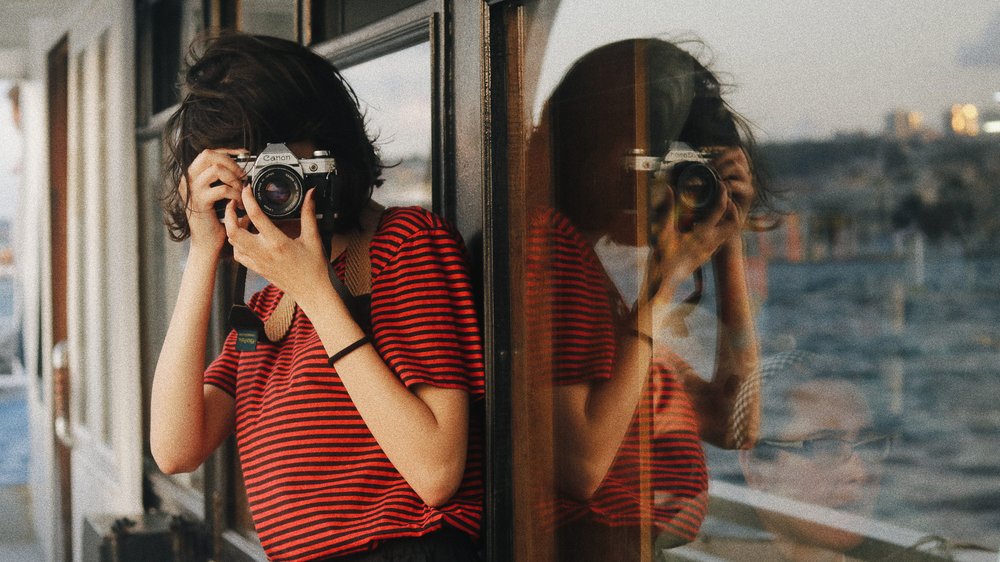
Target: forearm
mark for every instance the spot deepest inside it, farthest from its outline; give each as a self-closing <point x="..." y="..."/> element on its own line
<point x="730" y="412"/>
<point x="177" y="413"/>
<point x="593" y="419"/>
<point x="427" y="449"/>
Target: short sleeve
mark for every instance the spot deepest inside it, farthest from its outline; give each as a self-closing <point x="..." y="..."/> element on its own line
<point x="424" y="319"/>
<point x="568" y="302"/>
<point x="222" y="371"/>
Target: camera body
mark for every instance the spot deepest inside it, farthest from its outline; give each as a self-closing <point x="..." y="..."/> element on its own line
<point x="696" y="185"/>
<point x="279" y="182"/>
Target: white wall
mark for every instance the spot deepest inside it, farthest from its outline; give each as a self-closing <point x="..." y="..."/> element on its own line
<point x="34" y="260"/>
<point x="103" y="269"/>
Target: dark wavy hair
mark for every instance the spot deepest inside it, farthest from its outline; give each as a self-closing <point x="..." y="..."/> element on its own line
<point x="244" y="91"/>
<point x="630" y="89"/>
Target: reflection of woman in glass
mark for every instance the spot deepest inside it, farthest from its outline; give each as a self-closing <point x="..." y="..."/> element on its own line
<point x="628" y="418"/>
<point x="820" y="446"/>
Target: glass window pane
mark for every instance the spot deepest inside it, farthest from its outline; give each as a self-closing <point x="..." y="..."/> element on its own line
<point x="165" y="45"/>
<point x="806" y="318"/>
<point x="395" y="95"/>
<point x="277" y="18"/>
<point x="332" y="18"/>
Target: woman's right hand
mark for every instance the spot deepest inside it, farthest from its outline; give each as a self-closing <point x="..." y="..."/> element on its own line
<point x="215" y="176"/>
<point x="677" y="253"/>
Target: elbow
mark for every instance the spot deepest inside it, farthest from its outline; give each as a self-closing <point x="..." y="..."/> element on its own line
<point x="438" y="485"/>
<point x="582" y="487"/>
<point x="172" y="468"/>
<point x="580" y="480"/>
<point x="746" y="439"/>
<point x="735" y="436"/>
<point x="437" y="496"/>
<point x="170" y="465"/>
<point x="171" y="461"/>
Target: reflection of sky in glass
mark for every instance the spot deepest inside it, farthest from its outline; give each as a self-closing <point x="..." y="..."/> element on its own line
<point x="395" y="96"/>
<point x="807" y="68"/>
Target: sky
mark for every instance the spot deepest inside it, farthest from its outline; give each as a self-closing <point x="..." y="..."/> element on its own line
<point x="810" y="68"/>
<point x="797" y="68"/>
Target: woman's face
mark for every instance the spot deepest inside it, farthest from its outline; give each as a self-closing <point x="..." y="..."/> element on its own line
<point x="826" y="455"/>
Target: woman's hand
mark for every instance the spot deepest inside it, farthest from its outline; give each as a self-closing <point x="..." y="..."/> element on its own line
<point x="214" y="176"/>
<point x="678" y="252"/>
<point x="297" y="266"/>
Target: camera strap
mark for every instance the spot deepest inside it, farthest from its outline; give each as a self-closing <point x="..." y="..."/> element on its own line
<point x="249" y="327"/>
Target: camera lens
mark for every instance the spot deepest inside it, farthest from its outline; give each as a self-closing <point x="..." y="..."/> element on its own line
<point x="278" y="191"/>
<point x="697" y="188"/>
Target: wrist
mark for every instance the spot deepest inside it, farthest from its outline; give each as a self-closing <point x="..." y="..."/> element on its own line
<point x="730" y="250"/>
<point x="203" y="254"/>
<point x="321" y="299"/>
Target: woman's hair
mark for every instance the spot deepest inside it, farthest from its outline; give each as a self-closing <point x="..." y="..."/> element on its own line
<point x="244" y="91"/>
<point x="594" y="115"/>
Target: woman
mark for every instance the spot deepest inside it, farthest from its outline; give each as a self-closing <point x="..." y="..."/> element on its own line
<point x="628" y="414"/>
<point x="351" y="444"/>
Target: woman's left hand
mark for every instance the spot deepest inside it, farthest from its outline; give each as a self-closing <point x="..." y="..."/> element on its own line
<point x="294" y="265"/>
<point x="733" y="167"/>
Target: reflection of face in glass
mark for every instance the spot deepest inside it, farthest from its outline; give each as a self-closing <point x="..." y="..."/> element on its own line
<point x="826" y="454"/>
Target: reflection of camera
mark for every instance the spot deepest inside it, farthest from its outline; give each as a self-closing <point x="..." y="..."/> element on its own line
<point x="696" y="185"/>
<point x="279" y="182"/>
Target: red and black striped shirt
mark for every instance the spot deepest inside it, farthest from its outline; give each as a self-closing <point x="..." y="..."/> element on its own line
<point x="318" y="483"/>
<point x="576" y="305"/>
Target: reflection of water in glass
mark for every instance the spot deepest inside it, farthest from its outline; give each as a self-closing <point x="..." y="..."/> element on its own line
<point x="6" y="298"/>
<point x="928" y="355"/>
<point x="13" y="437"/>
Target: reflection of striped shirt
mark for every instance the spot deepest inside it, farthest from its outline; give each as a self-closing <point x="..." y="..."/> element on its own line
<point x="317" y="481"/>
<point x="572" y="299"/>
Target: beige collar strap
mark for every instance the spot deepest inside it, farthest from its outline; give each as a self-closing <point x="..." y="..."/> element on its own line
<point x="277" y="324"/>
<point x="357" y="274"/>
<point x="358" y="264"/>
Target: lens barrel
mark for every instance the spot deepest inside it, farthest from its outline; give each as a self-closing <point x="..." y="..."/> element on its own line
<point x="278" y="190"/>
<point x="697" y="191"/>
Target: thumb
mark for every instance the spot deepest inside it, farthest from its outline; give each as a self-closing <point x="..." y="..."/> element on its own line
<point x="308" y="227"/>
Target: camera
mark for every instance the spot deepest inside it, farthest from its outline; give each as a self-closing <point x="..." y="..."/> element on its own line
<point x="696" y="185"/>
<point x="279" y="182"/>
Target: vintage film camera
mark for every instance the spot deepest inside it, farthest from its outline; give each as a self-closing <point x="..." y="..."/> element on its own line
<point x="279" y="182"/>
<point x="696" y="185"/>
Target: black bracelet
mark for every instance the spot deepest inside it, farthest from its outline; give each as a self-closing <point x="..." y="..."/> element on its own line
<point x="347" y="350"/>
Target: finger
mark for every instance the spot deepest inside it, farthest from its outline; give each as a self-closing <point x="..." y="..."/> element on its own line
<point x="182" y="189"/>
<point x="238" y="236"/>
<point x="210" y="157"/>
<point x="243" y="259"/>
<point x="230" y="151"/>
<point x="309" y="228"/>
<point x="260" y="220"/>
<point x="207" y="187"/>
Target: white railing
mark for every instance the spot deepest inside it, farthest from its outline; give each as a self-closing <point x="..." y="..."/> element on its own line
<point x="743" y="507"/>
